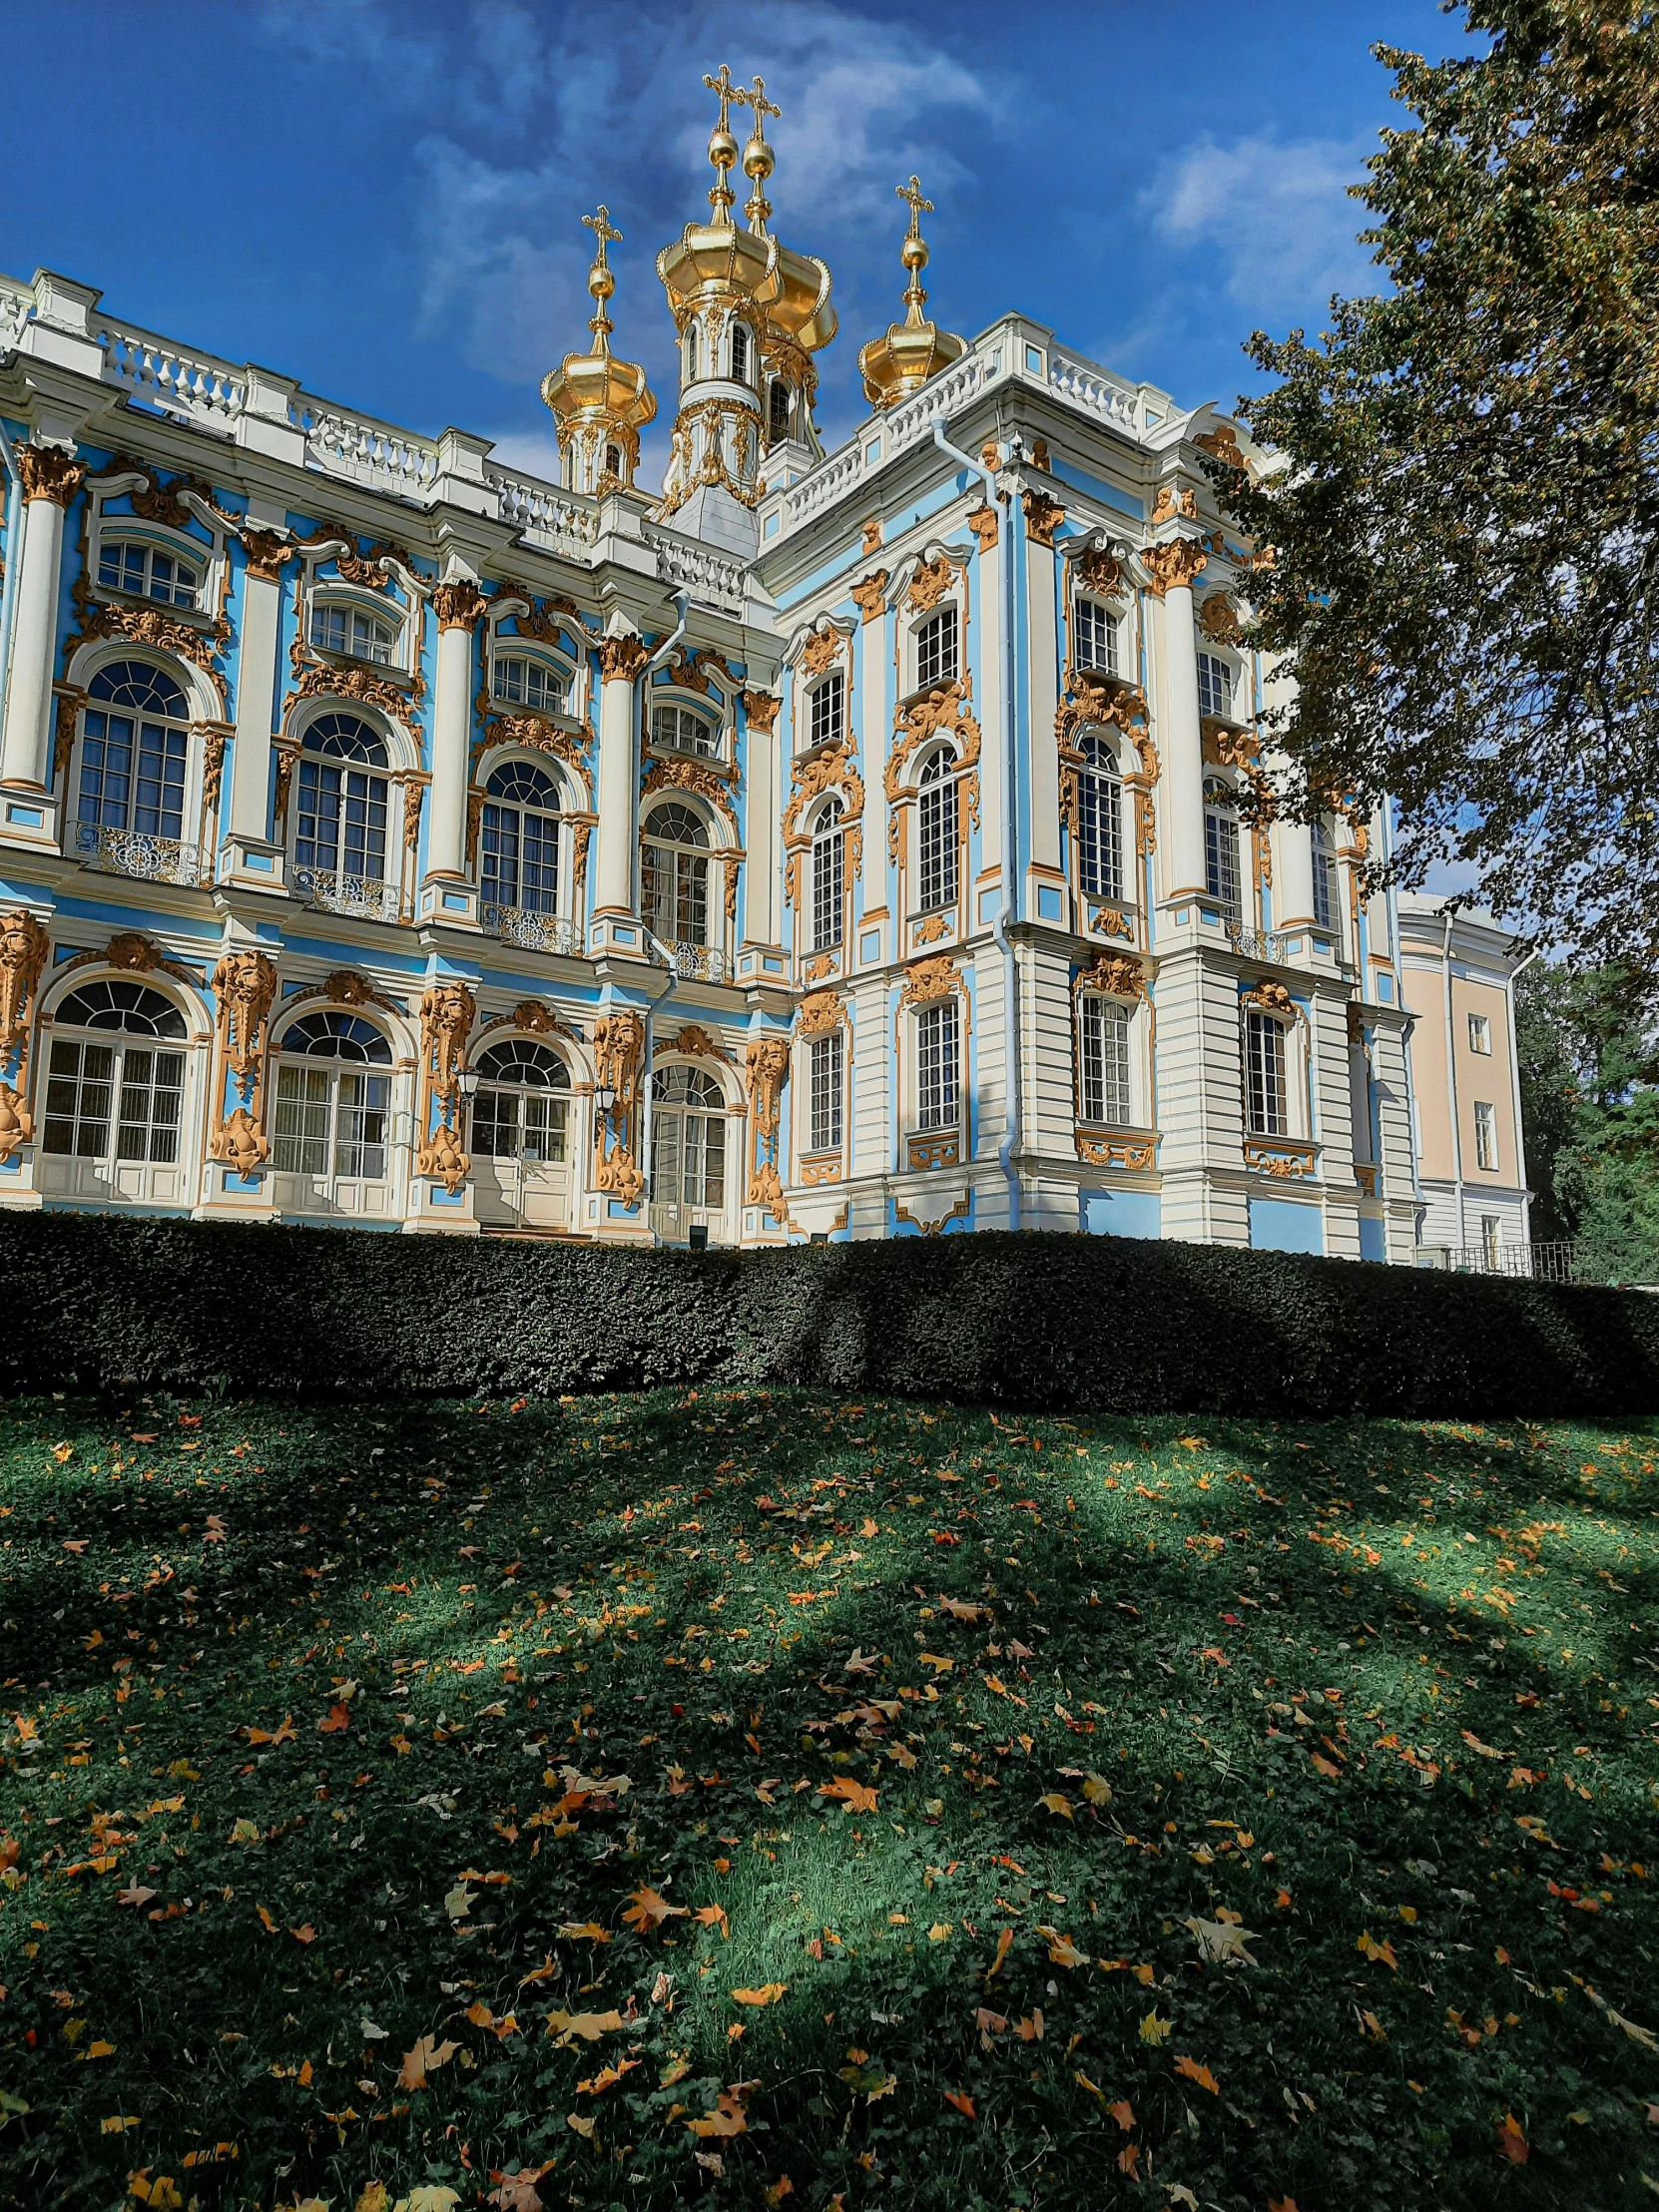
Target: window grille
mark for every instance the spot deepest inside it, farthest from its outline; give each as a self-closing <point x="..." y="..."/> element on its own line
<point x="134" y="745"/>
<point x="1103" y="1058"/>
<point x="688" y="1138"/>
<point x="940" y="855"/>
<point x="1096" y="636"/>
<point x="519" y="840"/>
<point x="337" y="628"/>
<point x="828" y="878"/>
<point x="937" y="658"/>
<point x="1099" y="822"/>
<point x="1327" y="896"/>
<point x="676" y="876"/>
<point x="150" y="573"/>
<point x="125" y="1088"/>
<point x="342" y="822"/>
<point x="823" y="1132"/>
<point x="740" y="354"/>
<point x="520" y="1111"/>
<point x="683" y="729"/>
<point x="1215" y="686"/>
<point x="826" y="711"/>
<point x="936" y="1076"/>
<point x="1221" y="859"/>
<point x="1485" y="1135"/>
<point x="1266" y="1110"/>
<point x="524" y="683"/>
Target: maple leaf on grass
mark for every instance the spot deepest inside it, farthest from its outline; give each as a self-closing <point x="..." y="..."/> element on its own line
<point x="1056" y="1802"/>
<point x="728" y="2117"/>
<point x="1383" y="1953"/>
<point x="1512" y="2140"/>
<point x="134" y="1893"/>
<point x="714" y="1915"/>
<point x="858" y="1797"/>
<point x="585" y="2027"/>
<point x="1191" y="2070"/>
<point x="1062" y="1949"/>
<point x="517" y="2192"/>
<point x="426" y="2057"/>
<point x="1155" y="2030"/>
<point x="606" y="2078"/>
<point x="1222" y="1941"/>
<point x="767" y="1994"/>
<point x="962" y="2102"/>
<point x="647" y="1910"/>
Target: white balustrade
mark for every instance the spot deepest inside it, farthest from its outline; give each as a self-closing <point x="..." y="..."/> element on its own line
<point x="158" y="372"/>
<point x="1087" y="384"/>
<point x="366" y="451"/>
<point x="713" y="578"/>
<point x="15" y="304"/>
<point x="545" y="511"/>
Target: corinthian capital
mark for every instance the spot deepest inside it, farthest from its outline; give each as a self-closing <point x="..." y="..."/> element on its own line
<point x="1173" y="566"/>
<point x="459" y="605"/>
<point x="621" y="658"/>
<point x="50" y="472"/>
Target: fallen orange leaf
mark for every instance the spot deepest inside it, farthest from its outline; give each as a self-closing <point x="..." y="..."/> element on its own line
<point x="1201" y="2074"/>
<point x="1004" y="1944"/>
<point x="726" y="2118"/>
<point x="426" y="2057"/>
<point x="858" y="1797"/>
<point x="646" y="1910"/>
<point x="1512" y="2143"/>
<point x="1123" y="2112"/>
<point x="962" y="2102"/>
<point x="714" y="1915"/>
<point x="767" y="1994"/>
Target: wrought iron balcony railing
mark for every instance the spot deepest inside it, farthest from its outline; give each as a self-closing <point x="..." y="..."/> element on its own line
<point x="533" y="931"/>
<point x="700" y="963"/>
<point x="338" y="893"/>
<point x="137" y="852"/>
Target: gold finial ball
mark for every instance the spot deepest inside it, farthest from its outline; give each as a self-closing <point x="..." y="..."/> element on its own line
<point x="600" y="282"/>
<point x="913" y="253"/>
<point x="723" y="148"/>
<point x="758" y="158"/>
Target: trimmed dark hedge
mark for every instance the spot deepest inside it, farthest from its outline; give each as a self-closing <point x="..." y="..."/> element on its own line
<point x="1050" y="1323"/>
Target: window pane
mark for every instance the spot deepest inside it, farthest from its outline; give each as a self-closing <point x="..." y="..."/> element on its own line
<point x="1097" y="636"/>
<point x="936" y="648"/>
<point x="937" y="811"/>
<point x="1099" y="835"/>
<point x="360" y="1125"/>
<point x="825" y="726"/>
<point x="1103" y="1071"/>
<point x="1215" y="686"/>
<point x="1264" y="1076"/>
<point x="1221" y="859"/>
<point x="829" y="885"/>
<point x="824" y="1115"/>
<point x="936" y="1066"/>
<point x="498" y="875"/>
<point x="304" y="1096"/>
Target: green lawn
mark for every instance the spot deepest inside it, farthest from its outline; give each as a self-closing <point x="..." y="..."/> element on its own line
<point x="420" y="1799"/>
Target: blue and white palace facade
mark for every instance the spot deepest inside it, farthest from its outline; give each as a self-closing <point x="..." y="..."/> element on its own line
<point x="824" y="844"/>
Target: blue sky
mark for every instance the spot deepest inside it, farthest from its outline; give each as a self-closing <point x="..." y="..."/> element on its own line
<point x="381" y="196"/>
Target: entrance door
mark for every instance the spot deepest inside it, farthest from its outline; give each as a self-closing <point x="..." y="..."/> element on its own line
<point x="520" y="1140"/>
<point x="688" y="1156"/>
<point x="115" y="1091"/>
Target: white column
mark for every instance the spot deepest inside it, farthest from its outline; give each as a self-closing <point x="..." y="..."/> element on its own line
<point x="51" y="478"/>
<point x="762" y="838"/>
<point x="459" y="603"/>
<point x="621" y="657"/>
<point x="1181" y="830"/>
<point x="1294" y="876"/>
<point x="261" y="606"/>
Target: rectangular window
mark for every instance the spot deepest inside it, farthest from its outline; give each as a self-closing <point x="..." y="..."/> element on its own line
<point x="1097" y="636"/>
<point x="937" y="649"/>
<point x="1485" y="1135"/>
<point x="680" y="729"/>
<point x="342" y="822"/>
<point x="132" y="775"/>
<point x="360" y="1125"/>
<point x="80" y="1087"/>
<point x="936" y="1078"/>
<point x="152" y="1098"/>
<point x="343" y="630"/>
<point x="301" y="1146"/>
<point x="1480" y="1036"/>
<point x="940" y="855"/>
<point x="1099" y="835"/>
<point x="1215" y="686"/>
<point x="823" y="1132"/>
<point x="1265" y="1104"/>
<point x="824" y="718"/>
<point x="1326" y="901"/>
<point x="1220" y="860"/>
<point x="1103" y="1062"/>
<point x="1491" y="1234"/>
<point x="528" y="684"/>
<point x="828" y="890"/>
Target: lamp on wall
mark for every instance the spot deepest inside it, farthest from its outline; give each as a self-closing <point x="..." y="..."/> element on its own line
<point x="468" y="1080"/>
<point x="604" y="1097"/>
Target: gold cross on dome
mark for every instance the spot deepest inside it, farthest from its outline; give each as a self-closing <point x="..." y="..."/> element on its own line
<point x="911" y="193"/>
<point x="602" y="228"/>
<point x="725" y="92"/>
<point x="763" y="107"/>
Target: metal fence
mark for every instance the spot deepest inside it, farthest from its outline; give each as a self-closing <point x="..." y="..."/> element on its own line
<point x="1556" y="1260"/>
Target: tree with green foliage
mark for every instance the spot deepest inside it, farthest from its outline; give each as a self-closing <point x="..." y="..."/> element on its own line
<point x="1589" y="1066"/>
<point x="1466" y="524"/>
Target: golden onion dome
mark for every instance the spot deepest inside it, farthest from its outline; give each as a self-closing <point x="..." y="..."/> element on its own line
<point x="902" y="359"/>
<point x="716" y="256"/>
<point x="597" y="386"/>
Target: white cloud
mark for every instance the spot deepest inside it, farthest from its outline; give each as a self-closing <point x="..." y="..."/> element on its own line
<point x="1276" y="209"/>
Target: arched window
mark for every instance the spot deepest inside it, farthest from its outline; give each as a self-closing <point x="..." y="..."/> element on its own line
<point x="683" y="729"/>
<point x="777" y="410"/>
<point x="151" y="573"/>
<point x="937" y="649"/>
<point x="940" y="874"/>
<point x="342" y="829"/>
<point x="332" y="1103"/>
<point x="675" y="874"/>
<point x="613" y="460"/>
<point x="134" y="744"/>
<point x="121" y="1099"/>
<point x="519" y="1112"/>
<point x="1327" y="896"/>
<point x="526" y="682"/>
<point x="1103" y="1061"/>
<point x="1220" y="849"/>
<point x="740" y="353"/>
<point x="1099" y="820"/>
<point x="519" y="865"/>
<point x="688" y="1138"/>
<point x="337" y="627"/>
<point x="829" y="877"/>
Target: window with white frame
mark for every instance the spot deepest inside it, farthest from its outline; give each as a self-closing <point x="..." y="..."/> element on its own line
<point x="135" y="739"/>
<point x="1491" y="1236"/>
<point x="1222" y="878"/>
<point x="520" y="1108"/>
<point x="333" y="1098"/>
<point x="937" y="1083"/>
<point x="117" y="1093"/>
<point x="1215" y="686"/>
<point x="1103" y="1061"/>
<point x="676" y="729"/>
<point x="740" y="353"/>
<point x="1267" y="1106"/>
<point x="519" y="840"/>
<point x="826" y="711"/>
<point x="829" y="877"/>
<point x="937" y="649"/>
<point x="691" y="354"/>
<point x="341" y="822"/>
<point x="777" y="411"/>
<point x="938" y="873"/>
<point x="1326" y="891"/>
<point x="130" y="565"/>
<point x="1096" y="634"/>
<point x="1480" y="1036"/>
<point x="523" y="681"/>
<point x="688" y="1138"/>
<point x="824" y="1089"/>
<point x="1486" y="1136"/>
<point x="675" y="874"/>
<point x="340" y="628"/>
<point x="1099" y="820"/>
